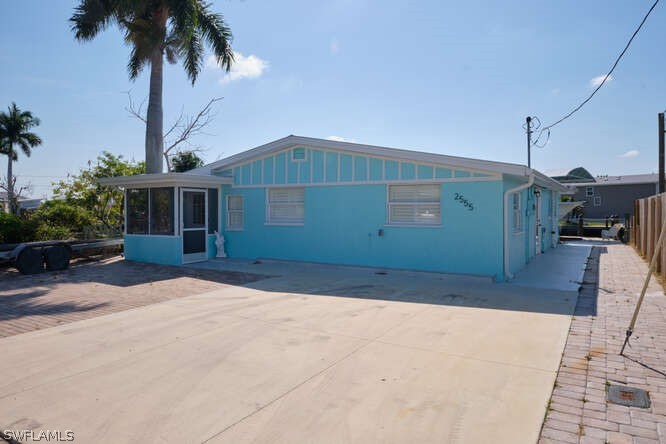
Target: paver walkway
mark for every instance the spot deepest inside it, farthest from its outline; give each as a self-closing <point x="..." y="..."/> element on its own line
<point x="578" y="411"/>
<point x="93" y="289"/>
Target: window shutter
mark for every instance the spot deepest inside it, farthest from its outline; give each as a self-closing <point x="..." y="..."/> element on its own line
<point x="236" y="203"/>
<point x="286" y="206"/>
<point x="235" y="212"/>
<point x="415" y="204"/>
<point x="286" y="195"/>
<point x="235" y="219"/>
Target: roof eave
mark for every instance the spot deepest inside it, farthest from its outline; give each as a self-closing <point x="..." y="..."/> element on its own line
<point x="545" y="181"/>
<point x="163" y="179"/>
<point x="602" y="184"/>
<point x="396" y="153"/>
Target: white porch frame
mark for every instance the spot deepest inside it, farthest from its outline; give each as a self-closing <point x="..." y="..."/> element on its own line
<point x="199" y="256"/>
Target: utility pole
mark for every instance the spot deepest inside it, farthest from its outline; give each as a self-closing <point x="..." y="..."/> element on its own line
<point x="528" y="124"/>
<point x="661" y="152"/>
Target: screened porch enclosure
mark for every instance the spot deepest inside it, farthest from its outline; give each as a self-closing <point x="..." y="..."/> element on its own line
<point x="184" y="217"/>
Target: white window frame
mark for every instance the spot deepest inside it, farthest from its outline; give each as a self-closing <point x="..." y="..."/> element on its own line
<point x="305" y="154"/>
<point x="389" y="204"/>
<point x="231" y="227"/>
<point x="517" y="216"/>
<point x="589" y="191"/>
<point x="296" y="223"/>
<point x="597" y="201"/>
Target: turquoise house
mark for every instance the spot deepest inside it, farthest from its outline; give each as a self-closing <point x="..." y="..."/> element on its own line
<point x="316" y="200"/>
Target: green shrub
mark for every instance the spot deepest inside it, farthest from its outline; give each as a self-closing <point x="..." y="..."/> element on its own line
<point x="56" y="214"/>
<point x="15" y="229"/>
<point x="10" y="228"/>
<point x="52" y="232"/>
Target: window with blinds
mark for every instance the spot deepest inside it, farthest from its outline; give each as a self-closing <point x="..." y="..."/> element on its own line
<point x="285" y="206"/>
<point x="414" y="204"/>
<point x="234" y="212"/>
<point x="517" y="223"/>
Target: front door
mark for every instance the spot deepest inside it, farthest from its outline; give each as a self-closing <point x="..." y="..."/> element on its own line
<point x="194" y="223"/>
<point x="537" y="210"/>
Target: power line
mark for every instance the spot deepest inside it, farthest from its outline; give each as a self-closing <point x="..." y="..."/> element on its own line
<point x="42" y="177"/>
<point x="534" y="127"/>
<point x="547" y="128"/>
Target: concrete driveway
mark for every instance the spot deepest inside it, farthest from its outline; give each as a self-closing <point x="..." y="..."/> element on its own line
<point x="317" y="354"/>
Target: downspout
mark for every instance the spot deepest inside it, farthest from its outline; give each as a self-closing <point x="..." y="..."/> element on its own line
<point x="507" y="193"/>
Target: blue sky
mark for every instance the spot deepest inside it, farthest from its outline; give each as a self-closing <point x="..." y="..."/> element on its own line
<point x="454" y="78"/>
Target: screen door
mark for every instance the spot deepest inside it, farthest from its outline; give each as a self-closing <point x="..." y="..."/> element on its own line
<point x="194" y="214"/>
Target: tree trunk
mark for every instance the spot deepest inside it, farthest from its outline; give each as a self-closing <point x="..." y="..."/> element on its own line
<point x="10" y="182"/>
<point x="154" y="126"/>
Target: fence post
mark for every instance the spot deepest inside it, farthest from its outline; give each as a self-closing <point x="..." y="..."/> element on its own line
<point x="644" y="213"/>
<point x="657" y="223"/>
<point x="662" y="256"/>
<point x="634" y="224"/>
<point x="648" y="227"/>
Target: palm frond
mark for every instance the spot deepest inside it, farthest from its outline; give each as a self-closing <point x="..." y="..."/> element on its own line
<point x="217" y="34"/>
<point x="172" y="45"/>
<point x="192" y="54"/>
<point x="91" y="17"/>
<point x="183" y="16"/>
<point x="137" y="61"/>
<point x="25" y="147"/>
<point x="171" y="54"/>
<point x="31" y="139"/>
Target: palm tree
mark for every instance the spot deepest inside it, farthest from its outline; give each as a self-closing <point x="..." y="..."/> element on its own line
<point x="15" y="128"/>
<point x="155" y="29"/>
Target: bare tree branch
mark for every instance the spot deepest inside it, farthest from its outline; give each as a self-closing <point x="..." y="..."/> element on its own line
<point x="21" y="192"/>
<point x="27" y="188"/>
<point x="183" y="129"/>
<point x="193" y="126"/>
<point x="176" y="124"/>
<point x="133" y="110"/>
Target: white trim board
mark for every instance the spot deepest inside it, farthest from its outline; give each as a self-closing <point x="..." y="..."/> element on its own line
<point x="374" y="182"/>
<point x="165" y="179"/>
<point x="354" y="156"/>
<point x="378" y="151"/>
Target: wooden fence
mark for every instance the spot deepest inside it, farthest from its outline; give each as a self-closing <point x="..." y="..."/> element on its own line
<point x="649" y="215"/>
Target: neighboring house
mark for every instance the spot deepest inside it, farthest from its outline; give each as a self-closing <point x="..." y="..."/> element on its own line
<point x="316" y="200"/>
<point x="25" y="204"/>
<point x="609" y="195"/>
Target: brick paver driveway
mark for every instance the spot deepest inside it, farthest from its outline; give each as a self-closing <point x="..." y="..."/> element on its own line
<point x="578" y="409"/>
<point x="97" y="288"/>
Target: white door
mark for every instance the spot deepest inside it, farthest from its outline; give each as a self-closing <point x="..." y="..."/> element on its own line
<point x="194" y="223"/>
<point x="537" y="201"/>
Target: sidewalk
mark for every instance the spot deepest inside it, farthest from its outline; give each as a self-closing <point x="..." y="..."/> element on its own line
<point x="578" y="410"/>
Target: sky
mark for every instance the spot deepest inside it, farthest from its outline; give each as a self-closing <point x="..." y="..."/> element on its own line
<point x="449" y="77"/>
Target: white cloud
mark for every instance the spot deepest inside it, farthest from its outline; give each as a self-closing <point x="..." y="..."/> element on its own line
<point x="596" y="81"/>
<point x="244" y="67"/>
<point x="340" y="139"/>
<point x="630" y="153"/>
<point x="334" y="46"/>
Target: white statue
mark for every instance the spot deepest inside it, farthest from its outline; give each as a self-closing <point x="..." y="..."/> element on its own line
<point x="219" y="243"/>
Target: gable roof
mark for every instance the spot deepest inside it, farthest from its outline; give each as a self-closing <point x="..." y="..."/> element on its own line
<point x="372" y="150"/>
<point x="630" y="179"/>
